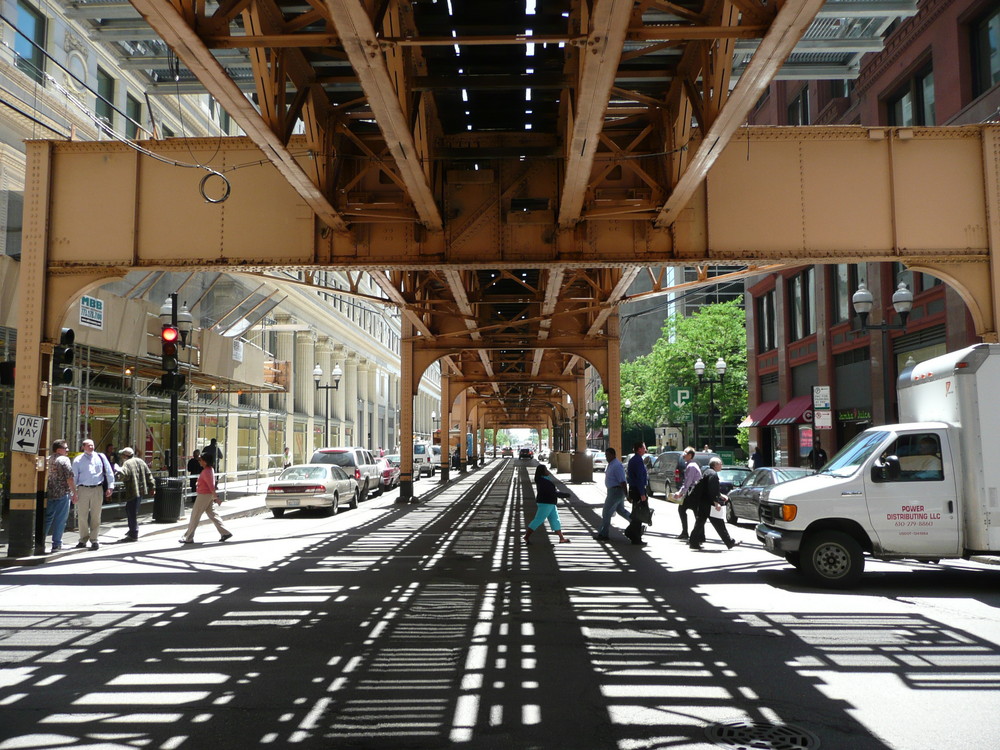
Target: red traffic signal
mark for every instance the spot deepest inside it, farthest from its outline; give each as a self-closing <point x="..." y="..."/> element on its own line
<point x="170" y="335"/>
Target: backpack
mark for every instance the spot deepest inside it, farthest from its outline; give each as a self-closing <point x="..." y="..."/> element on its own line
<point x="696" y="495"/>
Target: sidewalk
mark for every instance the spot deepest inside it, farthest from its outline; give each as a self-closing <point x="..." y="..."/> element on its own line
<point x="238" y="502"/>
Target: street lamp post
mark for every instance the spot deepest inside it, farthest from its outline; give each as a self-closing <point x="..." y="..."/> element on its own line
<point x="318" y="376"/>
<point x="183" y="321"/>
<point x="699" y="370"/>
<point x="902" y="303"/>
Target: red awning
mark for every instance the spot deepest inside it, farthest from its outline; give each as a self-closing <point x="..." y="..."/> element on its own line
<point x="796" y="411"/>
<point x="760" y="414"/>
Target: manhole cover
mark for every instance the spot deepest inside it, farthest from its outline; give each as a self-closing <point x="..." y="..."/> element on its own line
<point x="760" y="735"/>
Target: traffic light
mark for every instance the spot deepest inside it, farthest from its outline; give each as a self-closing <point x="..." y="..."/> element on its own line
<point x="62" y="358"/>
<point x="170" y="337"/>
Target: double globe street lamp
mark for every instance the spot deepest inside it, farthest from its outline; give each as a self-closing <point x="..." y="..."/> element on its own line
<point x="336" y="375"/>
<point x="699" y="370"/>
<point x="902" y="303"/>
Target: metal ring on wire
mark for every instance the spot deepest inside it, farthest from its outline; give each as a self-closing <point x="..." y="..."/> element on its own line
<point x="225" y="195"/>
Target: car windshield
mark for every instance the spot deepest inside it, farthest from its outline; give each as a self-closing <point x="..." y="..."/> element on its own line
<point x="303" y="472"/>
<point x="337" y="459"/>
<point x="733" y="475"/>
<point x="850" y="458"/>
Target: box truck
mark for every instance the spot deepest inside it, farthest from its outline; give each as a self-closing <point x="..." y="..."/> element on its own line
<point x="925" y="489"/>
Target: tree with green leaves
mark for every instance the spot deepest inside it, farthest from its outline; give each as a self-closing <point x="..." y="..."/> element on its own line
<point x="714" y="331"/>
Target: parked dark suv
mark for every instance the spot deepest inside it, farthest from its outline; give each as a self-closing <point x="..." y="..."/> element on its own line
<point x="357" y="462"/>
<point x="667" y="472"/>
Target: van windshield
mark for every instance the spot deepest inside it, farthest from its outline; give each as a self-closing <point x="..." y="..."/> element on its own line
<point x="854" y="454"/>
<point x="419" y="449"/>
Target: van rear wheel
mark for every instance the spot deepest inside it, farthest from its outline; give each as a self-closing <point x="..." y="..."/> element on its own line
<point x="832" y="559"/>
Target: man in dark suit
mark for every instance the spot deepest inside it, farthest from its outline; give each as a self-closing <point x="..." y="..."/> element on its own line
<point x="708" y="497"/>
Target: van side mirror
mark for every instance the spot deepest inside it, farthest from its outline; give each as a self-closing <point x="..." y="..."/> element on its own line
<point x="886" y="469"/>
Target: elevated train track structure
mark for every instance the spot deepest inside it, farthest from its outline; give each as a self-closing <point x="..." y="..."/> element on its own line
<point x="504" y="171"/>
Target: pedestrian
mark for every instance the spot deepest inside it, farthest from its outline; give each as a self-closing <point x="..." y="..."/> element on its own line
<point x="637" y="482"/>
<point x="546" y="496"/>
<point x="194" y="469"/>
<point x="95" y="480"/>
<point x="112" y="455"/>
<point x="614" y="480"/>
<point x="692" y="475"/>
<point x="709" y="497"/>
<point x="60" y="492"/>
<point x="757" y="460"/>
<point x="817" y="458"/>
<point x="286" y="458"/>
<point x="139" y="483"/>
<point x="213" y="452"/>
<point x="207" y="494"/>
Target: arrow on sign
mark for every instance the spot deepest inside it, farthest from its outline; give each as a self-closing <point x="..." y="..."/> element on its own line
<point x="683" y="397"/>
<point x="24" y="444"/>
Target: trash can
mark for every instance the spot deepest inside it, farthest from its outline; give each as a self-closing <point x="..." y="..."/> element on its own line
<point x="168" y="502"/>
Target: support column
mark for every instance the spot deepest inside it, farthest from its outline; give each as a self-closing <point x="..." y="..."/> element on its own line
<point x="337" y="400"/>
<point x="579" y="412"/>
<point x="614" y="386"/>
<point x="463" y="430"/>
<point x="445" y="427"/>
<point x="27" y="482"/>
<point x="408" y="380"/>
<point x="351" y="399"/>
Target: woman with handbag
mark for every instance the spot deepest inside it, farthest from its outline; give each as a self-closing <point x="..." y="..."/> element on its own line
<point x="546" y="496"/>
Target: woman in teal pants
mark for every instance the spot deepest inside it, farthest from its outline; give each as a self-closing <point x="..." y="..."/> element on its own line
<point x="546" y="496"/>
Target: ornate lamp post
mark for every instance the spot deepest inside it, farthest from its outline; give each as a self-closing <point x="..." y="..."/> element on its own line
<point x="902" y="303"/>
<point x="318" y="376"/>
<point x="699" y="370"/>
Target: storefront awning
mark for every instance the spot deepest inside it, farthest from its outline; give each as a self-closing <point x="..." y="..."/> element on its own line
<point x="796" y="411"/>
<point x="760" y="414"/>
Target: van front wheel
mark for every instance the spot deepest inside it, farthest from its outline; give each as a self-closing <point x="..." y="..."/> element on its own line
<point x="832" y="559"/>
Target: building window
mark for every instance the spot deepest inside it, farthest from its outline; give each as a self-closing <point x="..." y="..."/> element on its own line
<point x="133" y="120"/>
<point x="844" y="281"/>
<point x="798" y="110"/>
<point x="986" y="53"/>
<point x="105" y="107"/>
<point x="766" y="328"/>
<point x="801" y="297"/>
<point x="841" y="88"/>
<point x="913" y="102"/>
<point x="29" y="42"/>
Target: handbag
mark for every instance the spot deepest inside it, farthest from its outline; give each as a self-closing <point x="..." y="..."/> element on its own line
<point x="643" y="513"/>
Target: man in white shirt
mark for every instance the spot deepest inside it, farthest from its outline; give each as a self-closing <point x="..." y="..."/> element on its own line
<point x="95" y="480"/>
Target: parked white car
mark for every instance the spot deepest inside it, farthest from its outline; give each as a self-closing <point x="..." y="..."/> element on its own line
<point x="320" y="486"/>
<point x="597" y="456"/>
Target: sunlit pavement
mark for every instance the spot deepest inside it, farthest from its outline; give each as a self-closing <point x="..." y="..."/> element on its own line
<point x="433" y="625"/>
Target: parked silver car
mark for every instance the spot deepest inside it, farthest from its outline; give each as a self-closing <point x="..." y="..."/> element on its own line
<point x="744" y="501"/>
<point x="667" y="472"/>
<point x="357" y="462"/>
<point x="320" y="486"/>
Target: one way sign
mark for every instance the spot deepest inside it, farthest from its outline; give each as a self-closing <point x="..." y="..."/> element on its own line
<point x="27" y="433"/>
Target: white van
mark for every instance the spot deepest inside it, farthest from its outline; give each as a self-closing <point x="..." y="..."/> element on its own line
<point x="925" y="489"/>
<point x="423" y="460"/>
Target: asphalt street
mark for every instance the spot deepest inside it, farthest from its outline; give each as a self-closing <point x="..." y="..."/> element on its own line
<point x="433" y="625"/>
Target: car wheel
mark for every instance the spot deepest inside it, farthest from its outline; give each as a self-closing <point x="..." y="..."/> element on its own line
<point x="364" y="492"/>
<point x="649" y="491"/>
<point x="332" y="510"/>
<point x="354" y="500"/>
<point x="832" y="559"/>
<point x="278" y="512"/>
<point x="731" y="514"/>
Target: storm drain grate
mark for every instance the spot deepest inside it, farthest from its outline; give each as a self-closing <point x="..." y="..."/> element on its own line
<point x="760" y="735"/>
